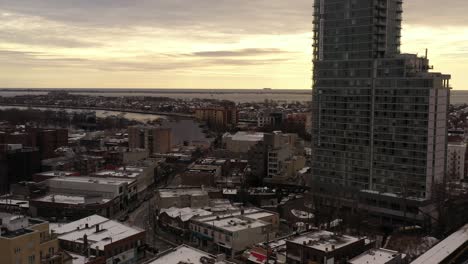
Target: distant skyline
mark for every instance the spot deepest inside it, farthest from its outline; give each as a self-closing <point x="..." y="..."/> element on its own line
<point x="199" y="44"/>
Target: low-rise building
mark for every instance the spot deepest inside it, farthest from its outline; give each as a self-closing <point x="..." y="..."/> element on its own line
<point x="380" y="256"/>
<point x="235" y="175"/>
<point x="234" y="232"/>
<point x="182" y="197"/>
<point x="177" y="220"/>
<point x="241" y="142"/>
<point x="323" y="247"/>
<point x="121" y="156"/>
<point x="14" y="205"/>
<point x="143" y="172"/>
<point x="72" y="206"/>
<point x="102" y="241"/>
<point x="200" y="175"/>
<point x="270" y="118"/>
<point x="28" y="240"/>
<point x="221" y="172"/>
<point x="108" y="188"/>
<point x="74" y="197"/>
<point x="187" y="254"/>
<point x="268" y="252"/>
<point x="42" y="176"/>
<point x="84" y="164"/>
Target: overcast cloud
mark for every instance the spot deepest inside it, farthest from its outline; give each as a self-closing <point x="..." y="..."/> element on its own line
<point x="193" y="43"/>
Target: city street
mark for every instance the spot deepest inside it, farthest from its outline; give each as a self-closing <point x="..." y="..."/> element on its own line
<point x="141" y="218"/>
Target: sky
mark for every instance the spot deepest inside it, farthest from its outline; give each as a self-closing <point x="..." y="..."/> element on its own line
<point x="194" y="43"/>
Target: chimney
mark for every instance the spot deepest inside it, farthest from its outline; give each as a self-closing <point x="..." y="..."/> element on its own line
<point x="85" y="245"/>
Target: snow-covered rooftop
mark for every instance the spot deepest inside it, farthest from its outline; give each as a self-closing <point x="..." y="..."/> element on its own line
<point x="376" y="256"/>
<point x="230" y="191"/>
<point x="444" y="248"/>
<point x="186" y="213"/>
<point x="167" y="193"/>
<point x="259" y="215"/>
<point x="65" y="199"/>
<point x="56" y="173"/>
<point x="236" y="212"/>
<point x="245" y="136"/>
<point x="109" y="231"/>
<point x="14" y="202"/>
<point x="235" y="221"/>
<point x="324" y="240"/>
<point x="78" y="259"/>
<point x="118" y="174"/>
<point x="90" y="220"/>
<point x="69" y="199"/>
<point x="302" y="214"/>
<point x="185" y="254"/>
<point x="93" y="180"/>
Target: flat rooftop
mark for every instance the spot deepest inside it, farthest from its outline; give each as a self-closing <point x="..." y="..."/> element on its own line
<point x="234" y="224"/>
<point x="56" y="173"/>
<point x="324" y="240"/>
<point x="17" y="225"/>
<point x="93" y="180"/>
<point x="236" y="221"/>
<point x="245" y="136"/>
<point x="186" y="213"/>
<point x="236" y="212"/>
<point x="118" y="174"/>
<point x="259" y="215"/>
<point x="71" y="199"/>
<point x="184" y="254"/>
<point x="376" y="256"/>
<point x="78" y="259"/>
<point x="167" y="193"/>
<point x="14" y="202"/>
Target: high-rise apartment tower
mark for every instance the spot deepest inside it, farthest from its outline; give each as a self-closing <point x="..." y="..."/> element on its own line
<point x="379" y="116"/>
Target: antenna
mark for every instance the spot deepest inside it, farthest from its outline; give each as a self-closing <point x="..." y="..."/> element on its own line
<point x="426" y="53"/>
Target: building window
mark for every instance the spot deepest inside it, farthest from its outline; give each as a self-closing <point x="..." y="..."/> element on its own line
<point x="31" y="259"/>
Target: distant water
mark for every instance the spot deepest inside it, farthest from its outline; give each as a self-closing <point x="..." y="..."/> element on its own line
<point x="236" y="95"/>
<point x="99" y="113"/>
<point x="183" y="129"/>
<point x="459" y="97"/>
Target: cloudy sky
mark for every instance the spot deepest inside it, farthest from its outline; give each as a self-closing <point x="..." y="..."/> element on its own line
<point x="194" y="43"/>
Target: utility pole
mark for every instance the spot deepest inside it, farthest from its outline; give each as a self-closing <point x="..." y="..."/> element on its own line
<point x="150" y="224"/>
